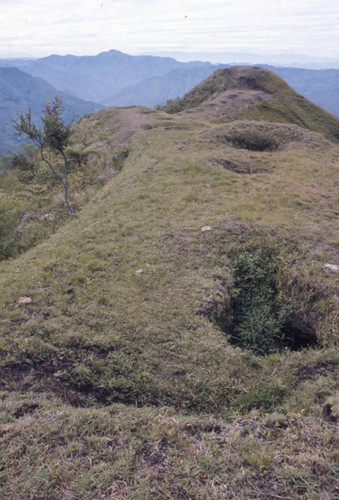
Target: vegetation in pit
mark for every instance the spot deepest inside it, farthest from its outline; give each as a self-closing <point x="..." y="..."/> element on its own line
<point x="264" y="136"/>
<point x="257" y="317"/>
<point x="255" y="142"/>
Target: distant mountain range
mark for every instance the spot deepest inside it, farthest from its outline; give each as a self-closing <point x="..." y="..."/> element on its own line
<point x="249" y="58"/>
<point x="116" y="79"/>
<point x="98" y="78"/>
<point x="159" y="89"/>
<point x="20" y="91"/>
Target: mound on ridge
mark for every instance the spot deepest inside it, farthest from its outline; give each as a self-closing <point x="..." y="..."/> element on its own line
<point x="265" y="136"/>
<point x="251" y="93"/>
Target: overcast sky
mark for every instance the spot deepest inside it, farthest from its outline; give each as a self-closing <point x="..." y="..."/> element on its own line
<point x="35" y="28"/>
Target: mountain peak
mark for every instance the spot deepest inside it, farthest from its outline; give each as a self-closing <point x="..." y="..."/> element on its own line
<point x="253" y="93"/>
<point x="244" y="77"/>
<point x="239" y="78"/>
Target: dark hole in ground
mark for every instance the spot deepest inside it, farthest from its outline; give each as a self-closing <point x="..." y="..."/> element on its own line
<point x="253" y="140"/>
<point x="322" y="368"/>
<point x="241" y="168"/>
<point x="256" y="317"/>
<point x="299" y="333"/>
<point x="24" y="409"/>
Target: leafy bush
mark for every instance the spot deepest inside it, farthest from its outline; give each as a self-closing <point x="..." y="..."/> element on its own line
<point x="257" y="309"/>
<point x="172" y="106"/>
<point x="119" y="157"/>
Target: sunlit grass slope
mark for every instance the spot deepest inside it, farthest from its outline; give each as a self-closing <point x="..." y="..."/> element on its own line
<point x="120" y="378"/>
<point x="246" y="92"/>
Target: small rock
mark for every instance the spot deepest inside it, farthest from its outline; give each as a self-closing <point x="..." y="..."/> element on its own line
<point x="206" y="228"/>
<point x="48" y="217"/>
<point x="139" y="271"/>
<point x="101" y="179"/>
<point x="23" y="300"/>
<point x="331" y="267"/>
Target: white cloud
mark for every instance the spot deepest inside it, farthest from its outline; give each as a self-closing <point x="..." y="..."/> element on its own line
<point x="40" y="27"/>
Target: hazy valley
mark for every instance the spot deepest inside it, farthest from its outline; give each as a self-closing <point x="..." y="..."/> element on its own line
<point x="116" y="79"/>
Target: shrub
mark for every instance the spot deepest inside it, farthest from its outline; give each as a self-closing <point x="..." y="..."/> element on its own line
<point x="119" y="158"/>
<point x="258" y="312"/>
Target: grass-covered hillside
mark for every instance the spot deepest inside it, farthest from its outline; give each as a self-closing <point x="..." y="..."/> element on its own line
<point x="245" y="92"/>
<point x="177" y="339"/>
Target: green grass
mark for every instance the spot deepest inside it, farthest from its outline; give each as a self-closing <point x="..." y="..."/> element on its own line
<point x="275" y="101"/>
<point x="33" y="208"/>
<point x="116" y="381"/>
<point x="294" y="108"/>
<point x="123" y="452"/>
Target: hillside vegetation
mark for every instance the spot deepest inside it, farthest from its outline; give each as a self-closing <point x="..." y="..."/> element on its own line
<point x="319" y="86"/>
<point x="177" y="339"/>
<point x="244" y="92"/>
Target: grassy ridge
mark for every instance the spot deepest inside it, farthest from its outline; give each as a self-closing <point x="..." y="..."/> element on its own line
<point x="88" y="299"/>
<point x="271" y="100"/>
<point x="136" y="390"/>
